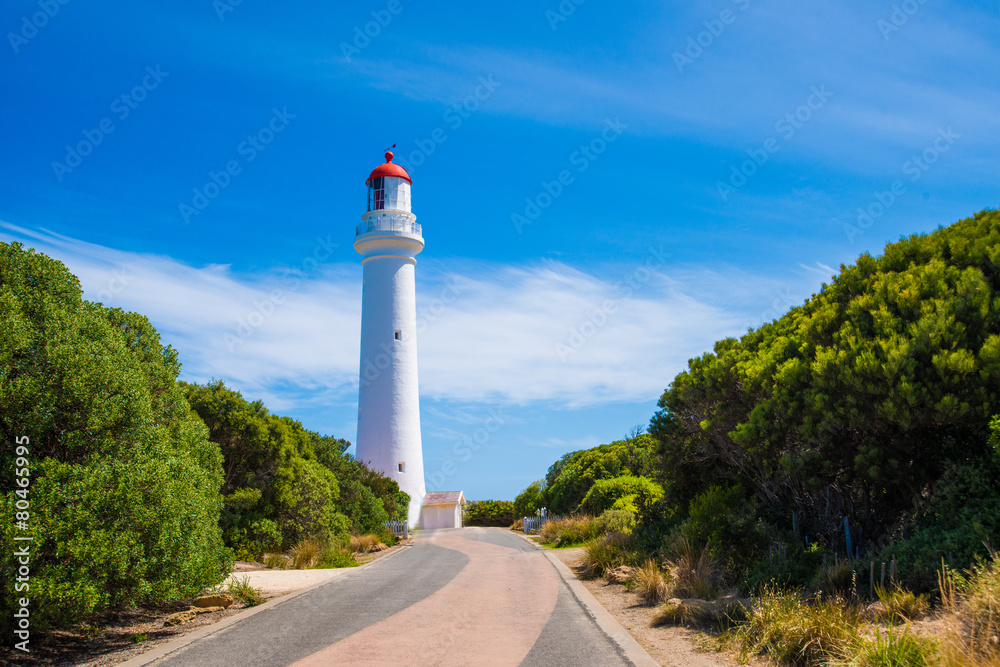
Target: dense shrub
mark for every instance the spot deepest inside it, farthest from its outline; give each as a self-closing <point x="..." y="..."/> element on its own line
<point x="624" y="492"/>
<point x="124" y="496"/>
<point x="616" y="520"/>
<point x="727" y="520"/>
<point x="489" y="513"/>
<point x="529" y="501"/>
<point x="570" y="478"/>
<point x="369" y="498"/>
<point x="798" y="569"/>
<point x="279" y="474"/>
<point x="853" y="403"/>
<point x="960" y="520"/>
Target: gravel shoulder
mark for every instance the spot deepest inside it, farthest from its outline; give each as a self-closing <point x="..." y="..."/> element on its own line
<point x="669" y="645"/>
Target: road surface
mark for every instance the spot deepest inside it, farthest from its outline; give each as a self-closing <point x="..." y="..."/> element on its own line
<point x="468" y="596"/>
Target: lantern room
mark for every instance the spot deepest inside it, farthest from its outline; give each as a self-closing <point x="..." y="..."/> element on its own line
<point x="389" y="187"/>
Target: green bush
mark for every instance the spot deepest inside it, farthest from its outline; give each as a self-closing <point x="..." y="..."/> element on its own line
<point x="798" y="569"/>
<point x="627" y="490"/>
<point x="125" y="483"/>
<point x="727" y="520"/>
<point x="489" y="513"/>
<point x="615" y="520"/>
<point x="530" y="500"/>
<point x="252" y="537"/>
<point x="961" y="520"/>
<point x="571" y="477"/>
<point x="335" y="556"/>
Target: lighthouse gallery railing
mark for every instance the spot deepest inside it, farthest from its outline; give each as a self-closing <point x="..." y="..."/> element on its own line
<point x="388" y="224"/>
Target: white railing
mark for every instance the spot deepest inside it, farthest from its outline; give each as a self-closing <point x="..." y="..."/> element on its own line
<point x="385" y="223"/>
<point x="399" y="528"/>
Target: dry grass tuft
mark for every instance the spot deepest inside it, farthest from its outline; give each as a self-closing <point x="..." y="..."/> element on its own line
<point x="241" y="590"/>
<point x="785" y="628"/>
<point x="305" y="553"/>
<point x="651" y="583"/>
<point x="605" y="553"/>
<point x="276" y="561"/>
<point x="898" y="604"/>
<point x="364" y="544"/>
<point x="568" y="531"/>
<point x="694" y="572"/>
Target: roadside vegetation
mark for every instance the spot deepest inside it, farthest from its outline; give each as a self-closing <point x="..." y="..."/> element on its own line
<point x="144" y="489"/>
<point x="824" y="490"/>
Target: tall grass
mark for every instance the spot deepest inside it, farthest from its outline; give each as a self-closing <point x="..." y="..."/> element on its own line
<point x="899" y="604"/>
<point x="305" y="553"/>
<point x="982" y="599"/>
<point x="972" y="635"/>
<point x="568" y="531"/>
<point x="651" y="583"/>
<point x="241" y="590"/>
<point x="363" y="544"/>
<point x="785" y="628"/>
<point x="334" y="555"/>
<point x="840" y="580"/>
<point x="893" y="646"/>
<point x="694" y="571"/>
<point x="605" y="553"/>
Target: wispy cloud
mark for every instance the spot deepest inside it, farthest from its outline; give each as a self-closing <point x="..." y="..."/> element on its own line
<point x="497" y="341"/>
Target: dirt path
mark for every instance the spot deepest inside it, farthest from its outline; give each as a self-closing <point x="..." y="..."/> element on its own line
<point x="670" y="645"/>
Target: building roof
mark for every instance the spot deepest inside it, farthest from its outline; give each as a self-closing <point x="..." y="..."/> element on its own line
<point x="444" y="498"/>
<point x="389" y="169"/>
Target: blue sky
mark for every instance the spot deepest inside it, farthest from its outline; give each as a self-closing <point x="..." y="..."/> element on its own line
<point x="713" y="159"/>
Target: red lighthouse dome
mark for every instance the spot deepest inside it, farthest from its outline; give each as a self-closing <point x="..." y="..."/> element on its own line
<point x="389" y="169"/>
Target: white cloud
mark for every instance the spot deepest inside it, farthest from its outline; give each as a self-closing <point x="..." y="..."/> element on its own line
<point x="514" y="334"/>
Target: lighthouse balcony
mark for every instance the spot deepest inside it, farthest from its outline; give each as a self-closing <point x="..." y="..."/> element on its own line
<point x="388" y="223"/>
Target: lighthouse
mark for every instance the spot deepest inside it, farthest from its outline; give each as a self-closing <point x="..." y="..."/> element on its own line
<point x="388" y="240"/>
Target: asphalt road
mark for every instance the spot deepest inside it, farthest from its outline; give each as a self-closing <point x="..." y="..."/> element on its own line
<point x="470" y="596"/>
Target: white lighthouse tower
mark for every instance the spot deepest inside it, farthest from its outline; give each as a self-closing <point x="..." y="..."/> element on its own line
<point x="389" y="239"/>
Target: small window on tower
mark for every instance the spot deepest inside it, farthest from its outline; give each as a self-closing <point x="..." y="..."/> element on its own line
<point x="398" y="335"/>
<point x="402" y="466"/>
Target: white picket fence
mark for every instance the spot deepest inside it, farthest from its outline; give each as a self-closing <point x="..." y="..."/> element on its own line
<point x="399" y="528"/>
<point x="535" y="522"/>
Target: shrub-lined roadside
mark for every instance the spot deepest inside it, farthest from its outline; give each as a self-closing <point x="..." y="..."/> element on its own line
<point x="856" y="431"/>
